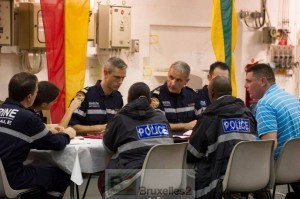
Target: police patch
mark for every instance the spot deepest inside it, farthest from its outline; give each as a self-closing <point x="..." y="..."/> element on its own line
<point x="152" y="131"/>
<point x="154" y="102"/>
<point x="236" y="125"/>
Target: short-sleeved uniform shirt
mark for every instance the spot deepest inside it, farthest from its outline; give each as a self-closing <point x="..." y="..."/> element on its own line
<point x="97" y="108"/>
<point x="178" y="108"/>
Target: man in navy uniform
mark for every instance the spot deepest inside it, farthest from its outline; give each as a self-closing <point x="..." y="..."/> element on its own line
<point x="22" y="130"/>
<point x="176" y="99"/>
<point x="216" y="69"/>
<point x="102" y="101"/>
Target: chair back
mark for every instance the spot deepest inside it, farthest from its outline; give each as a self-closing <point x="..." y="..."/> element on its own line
<point x="287" y="165"/>
<point x="5" y="189"/>
<point x="250" y="167"/>
<point x="164" y="167"/>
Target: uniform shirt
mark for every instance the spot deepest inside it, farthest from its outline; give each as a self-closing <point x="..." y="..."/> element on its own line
<point x="97" y="108"/>
<point x="203" y="98"/>
<point x="178" y="108"/>
<point x="20" y="131"/>
<point x="278" y="111"/>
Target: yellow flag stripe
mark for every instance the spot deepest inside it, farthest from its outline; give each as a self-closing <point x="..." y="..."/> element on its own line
<point x="76" y="36"/>
<point x="217" y="36"/>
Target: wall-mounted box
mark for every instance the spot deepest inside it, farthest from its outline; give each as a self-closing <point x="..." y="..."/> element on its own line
<point x="5" y="22"/>
<point x="114" y="27"/>
<point x="91" y="35"/>
<point x="31" y="29"/>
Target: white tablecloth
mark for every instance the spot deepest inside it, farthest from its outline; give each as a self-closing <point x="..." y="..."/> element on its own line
<point x="80" y="156"/>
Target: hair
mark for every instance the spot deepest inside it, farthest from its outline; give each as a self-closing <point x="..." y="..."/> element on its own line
<point x="262" y="70"/>
<point x="47" y="93"/>
<point x="21" y="85"/>
<point x="218" y="64"/>
<point x="182" y="66"/>
<point x="114" y="62"/>
<point x="137" y="90"/>
<point x="221" y="86"/>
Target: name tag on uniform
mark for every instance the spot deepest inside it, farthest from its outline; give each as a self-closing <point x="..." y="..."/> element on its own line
<point x="152" y="130"/>
<point x="166" y="103"/>
<point x="236" y="125"/>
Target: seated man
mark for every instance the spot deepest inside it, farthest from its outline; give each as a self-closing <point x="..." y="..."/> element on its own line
<point x="176" y="99"/>
<point x="213" y="139"/>
<point x="22" y="130"/>
<point x="102" y="101"/>
<point x="46" y="97"/>
<point x="277" y="112"/>
<point x="215" y="69"/>
<point x="134" y="130"/>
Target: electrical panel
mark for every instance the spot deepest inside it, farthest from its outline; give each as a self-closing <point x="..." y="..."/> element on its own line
<point x="31" y="28"/>
<point x="114" y="27"/>
<point x="282" y="56"/>
<point x="5" y="22"/>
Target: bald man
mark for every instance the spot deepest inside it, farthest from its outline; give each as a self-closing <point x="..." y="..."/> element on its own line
<point x="213" y="129"/>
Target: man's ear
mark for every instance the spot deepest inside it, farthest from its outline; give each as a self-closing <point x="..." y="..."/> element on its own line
<point x="264" y="81"/>
<point x="209" y="77"/>
<point x="105" y="72"/>
<point x="187" y="81"/>
<point x="29" y="97"/>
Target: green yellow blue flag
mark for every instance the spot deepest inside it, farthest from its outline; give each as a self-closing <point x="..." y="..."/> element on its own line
<point x="224" y="35"/>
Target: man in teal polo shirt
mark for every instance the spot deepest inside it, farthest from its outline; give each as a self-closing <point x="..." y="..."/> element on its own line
<point x="277" y="112"/>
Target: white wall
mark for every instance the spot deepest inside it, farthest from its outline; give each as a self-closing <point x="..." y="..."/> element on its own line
<point x="176" y="13"/>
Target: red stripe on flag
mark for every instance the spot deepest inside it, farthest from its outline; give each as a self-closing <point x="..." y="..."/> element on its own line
<point x="53" y="19"/>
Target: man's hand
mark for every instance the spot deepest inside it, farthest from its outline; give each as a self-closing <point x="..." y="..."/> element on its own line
<point x="54" y="128"/>
<point x="70" y="131"/>
<point x="190" y="125"/>
<point x="183" y="126"/>
<point x="101" y="128"/>
<point x="74" y="104"/>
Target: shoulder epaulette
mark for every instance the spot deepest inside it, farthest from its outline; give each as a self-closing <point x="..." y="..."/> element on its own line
<point x="156" y="91"/>
<point x="84" y="90"/>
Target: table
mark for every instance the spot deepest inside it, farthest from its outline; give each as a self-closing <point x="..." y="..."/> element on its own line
<point x="82" y="155"/>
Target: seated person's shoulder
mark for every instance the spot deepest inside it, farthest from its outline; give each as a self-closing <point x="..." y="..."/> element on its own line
<point x="155" y="97"/>
<point x="117" y="94"/>
<point x="82" y="93"/>
<point x="191" y="90"/>
<point x="156" y="91"/>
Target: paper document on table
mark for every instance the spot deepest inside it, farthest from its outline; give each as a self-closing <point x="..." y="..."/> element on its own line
<point x="184" y="135"/>
<point x="76" y="141"/>
<point x="188" y="133"/>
